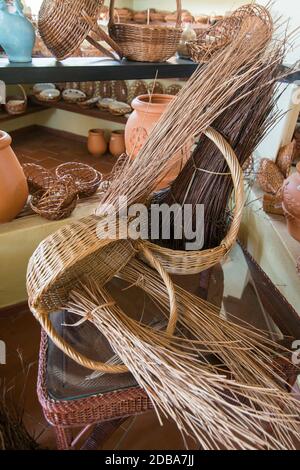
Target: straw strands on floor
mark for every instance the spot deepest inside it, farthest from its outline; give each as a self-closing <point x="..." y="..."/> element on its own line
<point x="211" y="407"/>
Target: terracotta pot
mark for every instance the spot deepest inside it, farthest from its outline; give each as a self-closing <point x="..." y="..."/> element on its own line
<point x="117" y="143"/>
<point x="96" y="143"/>
<point x="13" y="184"/>
<point x="139" y="126"/>
<point x="291" y="203"/>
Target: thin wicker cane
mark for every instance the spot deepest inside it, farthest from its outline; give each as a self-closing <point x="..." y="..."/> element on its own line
<point x="62" y="260"/>
<point x="62" y="26"/>
<point x="85" y="177"/>
<point x="146" y="42"/>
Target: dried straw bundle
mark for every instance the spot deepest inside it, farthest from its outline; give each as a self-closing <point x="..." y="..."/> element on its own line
<point x="211" y="407"/>
<point x="204" y="98"/>
<point x="205" y="178"/>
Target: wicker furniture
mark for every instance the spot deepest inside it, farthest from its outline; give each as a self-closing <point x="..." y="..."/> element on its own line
<point x="100" y="405"/>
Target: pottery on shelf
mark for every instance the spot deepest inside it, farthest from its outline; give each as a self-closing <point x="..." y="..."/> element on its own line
<point x="39" y="87"/>
<point x="13" y="184"/>
<point x="117" y="143"/>
<point x="50" y="95"/>
<point x="96" y="143"/>
<point x="118" y="108"/>
<point x="17" y="36"/>
<point x="72" y="95"/>
<point x="291" y="203"/>
<point x="147" y="111"/>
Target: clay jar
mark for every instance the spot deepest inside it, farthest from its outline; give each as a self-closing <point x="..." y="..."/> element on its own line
<point x="13" y="184"/>
<point x="117" y="143"/>
<point x="147" y="112"/>
<point x="291" y="203"/>
<point x="96" y="143"/>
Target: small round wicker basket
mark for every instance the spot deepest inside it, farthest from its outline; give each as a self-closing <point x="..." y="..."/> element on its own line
<point x="86" y="179"/>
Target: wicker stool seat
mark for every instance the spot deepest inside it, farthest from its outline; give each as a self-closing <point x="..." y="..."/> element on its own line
<point x="74" y="397"/>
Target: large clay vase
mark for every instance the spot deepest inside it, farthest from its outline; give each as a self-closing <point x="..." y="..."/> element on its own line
<point x="96" y="143"/>
<point x="291" y="203"/>
<point x="147" y="112"/>
<point x="117" y="143"/>
<point x="13" y="184"/>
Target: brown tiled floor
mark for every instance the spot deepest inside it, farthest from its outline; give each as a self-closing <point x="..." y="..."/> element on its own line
<point x="21" y="334"/>
<point x="50" y="149"/>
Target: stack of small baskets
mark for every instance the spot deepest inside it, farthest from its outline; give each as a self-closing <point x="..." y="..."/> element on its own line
<point x="54" y="196"/>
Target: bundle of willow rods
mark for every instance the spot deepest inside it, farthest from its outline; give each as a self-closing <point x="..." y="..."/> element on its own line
<point x="207" y="94"/>
<point x="205" y="178"/>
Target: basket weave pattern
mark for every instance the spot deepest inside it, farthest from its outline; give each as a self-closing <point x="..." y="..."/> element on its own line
<point x="62" y="27"/>
<point x="62" y="260"/>
<point x="216" y="38"/>
<point x="146" y="43"/>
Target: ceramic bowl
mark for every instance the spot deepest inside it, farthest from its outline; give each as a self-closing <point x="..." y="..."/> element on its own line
<point x="39" y="87"/>
<point x="73" y="96"/>
<point x="50" y="95"/>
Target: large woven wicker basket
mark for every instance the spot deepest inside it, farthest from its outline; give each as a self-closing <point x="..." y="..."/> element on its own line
<point x="62" y="26"/>
<point x="63" y="260"/>
<point x="146" y="42"/>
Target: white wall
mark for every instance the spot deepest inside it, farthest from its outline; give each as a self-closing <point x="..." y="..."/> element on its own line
<point x="194" y="6"/>
<point x="288" y="10"/>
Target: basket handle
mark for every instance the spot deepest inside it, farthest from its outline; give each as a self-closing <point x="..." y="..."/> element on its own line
<point x="43" y="317"/>
<point x="102" y="36"/>
<point x="23" y="92"/>
<point x="112" y="8"/>
<point x="237" y="177"/>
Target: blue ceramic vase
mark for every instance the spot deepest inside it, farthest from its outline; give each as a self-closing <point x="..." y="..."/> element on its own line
<point x="17" y="34"/>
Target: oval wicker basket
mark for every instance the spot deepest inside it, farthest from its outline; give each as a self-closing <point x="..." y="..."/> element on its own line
<point x="146" y="42"/>
<point x="83" y="247"/>
<point x="58" y="202"/>
<point x="85" y="177"/>
<point x="38" y="177"/>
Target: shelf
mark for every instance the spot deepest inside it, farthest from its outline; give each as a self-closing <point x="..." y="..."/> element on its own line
<point x="74" y="108"/>
<point x="81" y="69"/>
<point x="31" y="109"/>
<point x="91" y="69"/>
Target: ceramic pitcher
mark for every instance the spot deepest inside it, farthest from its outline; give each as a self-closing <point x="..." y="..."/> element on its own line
<point x="17" y="34"/>
<point x="13" y="184"/>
